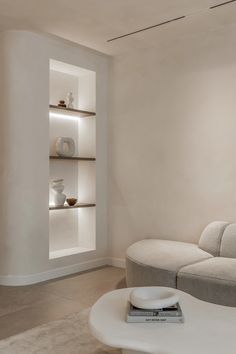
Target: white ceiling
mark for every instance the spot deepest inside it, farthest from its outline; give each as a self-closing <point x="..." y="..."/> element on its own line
<point x="93" y="22"/>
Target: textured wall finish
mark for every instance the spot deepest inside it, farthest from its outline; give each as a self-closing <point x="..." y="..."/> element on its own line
<point x="172" y="138"/>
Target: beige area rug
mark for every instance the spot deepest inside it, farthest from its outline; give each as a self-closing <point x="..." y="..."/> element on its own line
<point x="69" y="335"/>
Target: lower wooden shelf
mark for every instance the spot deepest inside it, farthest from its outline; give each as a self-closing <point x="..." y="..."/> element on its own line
<point x="79" y="205"/>
<point x="68" y="252"/>
<point x="75" y="158"/>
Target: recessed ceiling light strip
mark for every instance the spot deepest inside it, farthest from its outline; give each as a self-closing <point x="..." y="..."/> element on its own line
<point x="166" y="22"/>
<point x="221" y="4"/>
<point x="147" y="28"/>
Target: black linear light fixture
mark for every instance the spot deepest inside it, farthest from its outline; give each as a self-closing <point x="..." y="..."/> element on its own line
<point x="166" y="22"/>
<point x="221" y="4"/>
<point x="147" y="28"/>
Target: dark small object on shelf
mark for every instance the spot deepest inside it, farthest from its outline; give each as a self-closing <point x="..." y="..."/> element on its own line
<point x="71" y="201"/>
<point x="62" y="103"/>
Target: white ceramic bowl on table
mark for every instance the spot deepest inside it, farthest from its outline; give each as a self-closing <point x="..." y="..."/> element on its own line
<point x="153" y="297"/>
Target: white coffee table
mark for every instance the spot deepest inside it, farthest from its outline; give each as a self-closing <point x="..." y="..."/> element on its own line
<point x="208" y="328"/>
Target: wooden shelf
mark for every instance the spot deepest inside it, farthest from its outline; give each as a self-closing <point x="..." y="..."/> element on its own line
<point x="71" y="112"/>
<point x="79" y="205"/>
<point x="76" y="158"/>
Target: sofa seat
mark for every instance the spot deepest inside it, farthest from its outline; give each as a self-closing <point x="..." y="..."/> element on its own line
<point x="212" y="280"/>
<point x="154" y="262"/>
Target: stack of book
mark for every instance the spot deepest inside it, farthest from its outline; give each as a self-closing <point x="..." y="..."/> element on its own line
<point x="172" y="314"/>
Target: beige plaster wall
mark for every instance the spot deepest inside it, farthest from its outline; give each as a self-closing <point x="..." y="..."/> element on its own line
<point x="172" y="138"/>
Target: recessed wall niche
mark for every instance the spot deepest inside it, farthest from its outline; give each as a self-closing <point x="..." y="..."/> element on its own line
<point x="73" y="229"/>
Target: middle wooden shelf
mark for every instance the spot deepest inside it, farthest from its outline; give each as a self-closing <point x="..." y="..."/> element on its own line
<point x="75" y="158"/>
<point x="78" y="205"/>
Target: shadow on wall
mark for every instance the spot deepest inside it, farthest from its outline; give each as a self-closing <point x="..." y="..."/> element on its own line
<point x="121" y="284"/>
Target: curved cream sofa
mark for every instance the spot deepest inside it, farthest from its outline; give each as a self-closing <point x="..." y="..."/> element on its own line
<point x="206" y="271"/>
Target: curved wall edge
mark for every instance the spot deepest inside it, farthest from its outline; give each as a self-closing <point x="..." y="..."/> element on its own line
<point x="21" y="280"/>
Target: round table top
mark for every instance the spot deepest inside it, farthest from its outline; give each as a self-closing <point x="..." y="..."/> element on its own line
<point x="207" y="329"/>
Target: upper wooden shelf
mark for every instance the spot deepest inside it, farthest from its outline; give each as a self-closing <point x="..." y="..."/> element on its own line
<point x="72" y="112"/>
<point x="75" y="158"/>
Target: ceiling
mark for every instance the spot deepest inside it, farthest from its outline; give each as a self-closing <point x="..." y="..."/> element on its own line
<point x="93" y="22"/>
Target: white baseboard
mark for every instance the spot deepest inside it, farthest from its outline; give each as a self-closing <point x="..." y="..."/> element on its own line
<point x="116" y="262"/>
<point x="19" y="280"/>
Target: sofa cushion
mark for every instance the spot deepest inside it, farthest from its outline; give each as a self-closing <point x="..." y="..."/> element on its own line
<point x="210" y="239"/>
<point x="156" y="262"/>
<point x="212" y="280"/>
<point x="228" y="242"/>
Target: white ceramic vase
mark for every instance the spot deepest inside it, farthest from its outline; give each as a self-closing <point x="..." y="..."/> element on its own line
<point x="65" y="146"/>
<point x="59" y="198"/>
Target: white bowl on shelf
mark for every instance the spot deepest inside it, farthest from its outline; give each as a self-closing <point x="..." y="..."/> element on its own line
<point x="153" y="297"/>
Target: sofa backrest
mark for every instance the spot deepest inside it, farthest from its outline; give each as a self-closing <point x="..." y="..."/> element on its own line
<point x="228" y="242"/>
<point x="210" y="240"/>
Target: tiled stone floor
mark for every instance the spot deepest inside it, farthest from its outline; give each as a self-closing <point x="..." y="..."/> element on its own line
<point x="22" y="308"/>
